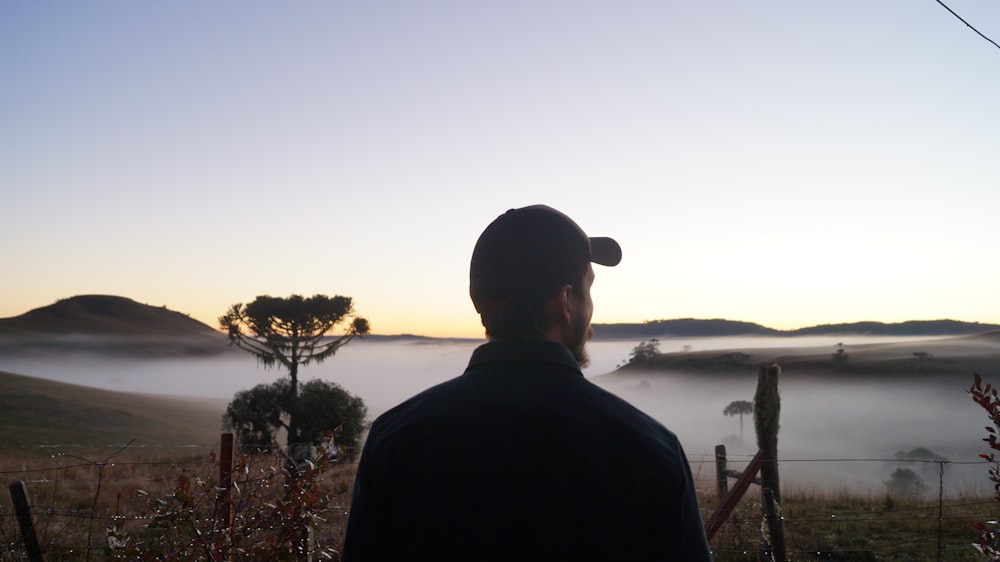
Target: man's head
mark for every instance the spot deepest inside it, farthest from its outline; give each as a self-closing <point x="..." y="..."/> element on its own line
<point x="530" y="276"/>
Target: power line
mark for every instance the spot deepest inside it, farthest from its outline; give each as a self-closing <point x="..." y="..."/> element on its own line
<point x="968" y="24"/>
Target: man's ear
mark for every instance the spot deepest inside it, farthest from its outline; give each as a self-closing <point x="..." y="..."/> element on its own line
<point x="564" y="305"/>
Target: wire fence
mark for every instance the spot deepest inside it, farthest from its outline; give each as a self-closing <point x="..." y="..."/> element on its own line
<point x="86" y="505"/>
<point x="898" y="509"/>
<point x="146" y="505"/>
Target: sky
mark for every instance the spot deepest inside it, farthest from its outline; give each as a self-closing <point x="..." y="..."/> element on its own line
<point x="789" y="162"/>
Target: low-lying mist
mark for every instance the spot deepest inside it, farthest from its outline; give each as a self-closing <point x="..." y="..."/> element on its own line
<point x="835" y="432"/>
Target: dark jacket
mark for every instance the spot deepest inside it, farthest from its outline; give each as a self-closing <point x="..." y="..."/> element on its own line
<point x="522" y="458"/>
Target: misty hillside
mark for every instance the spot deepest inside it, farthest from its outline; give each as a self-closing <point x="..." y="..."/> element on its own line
<point x="693" y="327"/>
<point x="36" y="412"/>
<point x="959" y="356"/>
<point x="108" y="324"/>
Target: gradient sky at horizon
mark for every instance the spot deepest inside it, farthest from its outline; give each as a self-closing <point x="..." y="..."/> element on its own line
<point x="788" y="163"/>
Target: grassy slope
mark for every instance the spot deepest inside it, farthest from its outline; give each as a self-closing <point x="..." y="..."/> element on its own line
<point x="36" y="411"/>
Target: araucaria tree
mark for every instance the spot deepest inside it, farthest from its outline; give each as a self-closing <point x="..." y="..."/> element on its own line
<point x="739" y="408"/>
<point x="289" y="332"/>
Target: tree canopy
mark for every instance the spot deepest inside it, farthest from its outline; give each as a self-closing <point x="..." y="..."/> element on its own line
<point x="645" y="352"/>
<point x="257" y="415"/>
<point x="291" y="331"/>
<point x="739" y="408"/>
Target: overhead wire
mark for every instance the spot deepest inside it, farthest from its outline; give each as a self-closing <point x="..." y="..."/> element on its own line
<point x="968" y="24"/>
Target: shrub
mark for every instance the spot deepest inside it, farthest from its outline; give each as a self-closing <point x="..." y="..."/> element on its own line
<point x="274" y="505"/>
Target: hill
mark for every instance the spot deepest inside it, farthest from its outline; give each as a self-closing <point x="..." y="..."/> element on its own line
<point x="694" y="327"/>
<point x="41" y="412"/>
<point x="947" y="356"/>
<point x="103" y="314"/>
<point x="682" y="327"/>
<point x="108" y="325"/>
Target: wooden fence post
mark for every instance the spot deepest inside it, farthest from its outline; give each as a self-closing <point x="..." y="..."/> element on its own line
<point x="775" y="529"/>
<point x="19" y="495"/>
<point x="766" y="413"/>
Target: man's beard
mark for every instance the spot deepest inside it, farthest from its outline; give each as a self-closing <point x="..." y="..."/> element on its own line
<point x="578" y="343"/>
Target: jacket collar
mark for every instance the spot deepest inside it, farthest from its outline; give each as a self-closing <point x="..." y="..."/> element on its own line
<point x="507" y="351"/>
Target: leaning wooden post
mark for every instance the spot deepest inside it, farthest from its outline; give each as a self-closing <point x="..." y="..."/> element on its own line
<point x="19" y="496"/>
<point x="226" y="455"/>
<point x="713" y="523"/>
<point x="766" y="413"/>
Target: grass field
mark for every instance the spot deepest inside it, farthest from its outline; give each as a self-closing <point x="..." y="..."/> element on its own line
<point x="78" y="495"/>
<point x="36" y="412"/>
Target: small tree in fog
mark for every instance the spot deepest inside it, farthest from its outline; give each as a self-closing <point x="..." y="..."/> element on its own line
<point x="739" y="408"/>
<point x="291" y="332"/>
<point x="904" y="483"/>
<point x="645" y="352"/>
<point x="841" y="356"/>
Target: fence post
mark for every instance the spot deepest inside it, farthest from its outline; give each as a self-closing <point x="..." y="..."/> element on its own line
<point x="721" y="473"/>
<point x="766" y="413"/>
<point x="19" y="495"/>
<point x="226" y="454"/>
<point x="940" y="546"/>
<point x="775" y="529"/>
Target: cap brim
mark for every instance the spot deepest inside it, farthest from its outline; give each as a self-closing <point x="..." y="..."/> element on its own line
<point x="605" y="251"/>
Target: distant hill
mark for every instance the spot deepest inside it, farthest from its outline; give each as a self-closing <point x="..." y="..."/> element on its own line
<point x="692" y="327"/>
<point x="108" y="324"/>
<point x="37" y="412"/>
<point x="103" y="314"/>
<point x="909" y="328"/>
<point x="683" y="327"/>
<point x="936" y="356"/>
<point x="111" y="324"/>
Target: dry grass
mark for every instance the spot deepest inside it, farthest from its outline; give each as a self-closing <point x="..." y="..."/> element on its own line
<point x="76" y="496"/>
<point x="71" y="512"/>
<point x="859" y="526"/>
<point x="36" y="411"/>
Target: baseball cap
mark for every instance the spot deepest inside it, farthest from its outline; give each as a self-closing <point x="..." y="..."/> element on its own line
<point x="527" y="254"/>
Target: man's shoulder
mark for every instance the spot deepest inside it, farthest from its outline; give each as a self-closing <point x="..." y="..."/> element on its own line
<point x="641" y="424"/>
<point x="429" y="401"/>
<point x="513" y="395"/>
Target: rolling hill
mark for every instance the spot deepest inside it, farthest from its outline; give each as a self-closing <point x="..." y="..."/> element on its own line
<point x="116" y="325"/>
<point x="936" y="356"/>
<point x="103" y="314"/>
<point x="35" y="412"/>
<point x="696" y="327"/>
<point x="108" y="325"/>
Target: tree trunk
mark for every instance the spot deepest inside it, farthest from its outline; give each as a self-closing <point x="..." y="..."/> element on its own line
<point x="293" y="441"/>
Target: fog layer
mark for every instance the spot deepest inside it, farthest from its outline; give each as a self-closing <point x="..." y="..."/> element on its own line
<point x="828" y="425"/>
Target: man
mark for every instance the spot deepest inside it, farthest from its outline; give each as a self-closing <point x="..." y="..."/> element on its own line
<point x="520" y="457"/>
